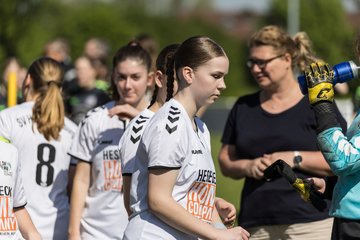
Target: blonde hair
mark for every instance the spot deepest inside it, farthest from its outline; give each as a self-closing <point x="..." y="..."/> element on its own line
<point x="357" y="46"/>
<point x="299" y="47"/>
<point x="48" y="111"/>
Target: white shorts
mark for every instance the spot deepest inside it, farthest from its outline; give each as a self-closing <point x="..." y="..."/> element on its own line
<point x="146" y="226"/>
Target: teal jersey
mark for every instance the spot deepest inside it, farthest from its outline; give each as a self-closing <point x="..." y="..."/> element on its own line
<point x="343" y="155"/>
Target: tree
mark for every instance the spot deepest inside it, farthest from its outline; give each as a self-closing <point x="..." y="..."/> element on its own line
<point x="326" y="24"/>
<point x="16" y="18"/>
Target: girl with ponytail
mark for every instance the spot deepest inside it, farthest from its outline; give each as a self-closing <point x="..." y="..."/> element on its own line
<point x="97" y="209"/>
<point x="42" y="136"/>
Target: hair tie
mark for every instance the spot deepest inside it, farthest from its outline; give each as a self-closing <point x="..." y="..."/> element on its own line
<point x="58" y="84"/>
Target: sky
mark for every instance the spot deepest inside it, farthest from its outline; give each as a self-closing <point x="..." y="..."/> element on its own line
<point x="235" y="5"/>
<point x="260" y="5"/>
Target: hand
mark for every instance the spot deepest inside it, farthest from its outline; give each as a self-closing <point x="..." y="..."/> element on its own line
<point x="123" y="111"/>
<point x="286" y="156"/>
<point x="257" y="167"/>
<point x="227" y="211"/>
<point x="319" y="77"/>
<point x="317" y="183"/>
<point x="236" y="233"/>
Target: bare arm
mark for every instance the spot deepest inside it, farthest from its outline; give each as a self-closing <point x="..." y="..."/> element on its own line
<point x="71" y="175"/>
<point x="26" y="226"/>
<point x="231" y="167"/>
<point x="163" y="205"/>
<point x="78" y="195"/>
<point x="126" y="192"/>
<point x="313" y="162"/>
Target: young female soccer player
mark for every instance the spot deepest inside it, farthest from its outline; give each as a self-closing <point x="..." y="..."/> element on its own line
<point x="42" y="135"/>
<point x="97" y="210"/>
<point x="175" y="191"/>
<point x="14" y="218"/>
<point x="164" y="89"/>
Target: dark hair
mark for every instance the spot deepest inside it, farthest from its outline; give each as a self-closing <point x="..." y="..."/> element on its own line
<point x="48" y="111"/>
<point x="196" y="51"/>
<point x="134" y="51"/>
<point x="164" y="64"/>
<point x="148" y="43"/>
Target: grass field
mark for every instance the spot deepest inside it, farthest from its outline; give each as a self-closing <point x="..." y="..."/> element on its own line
<point x="226" y="188"/>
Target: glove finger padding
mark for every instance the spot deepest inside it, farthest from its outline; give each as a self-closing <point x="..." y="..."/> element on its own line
<point x="319" y="77"/>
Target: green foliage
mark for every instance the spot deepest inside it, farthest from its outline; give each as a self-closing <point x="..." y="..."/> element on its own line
<point x="24" y="34"/>
<point x="325" y="23"/>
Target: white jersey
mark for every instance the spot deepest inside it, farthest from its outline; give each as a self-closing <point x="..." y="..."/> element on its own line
<point x="97" y="142"/>
<point x="11" y="192"/>
<point x="45" y="167"/>
<point x="130" y="140"/>
<point x="169" y="141"/>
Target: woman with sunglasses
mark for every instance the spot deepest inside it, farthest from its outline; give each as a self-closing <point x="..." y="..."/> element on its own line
<point x="275" y="123"/>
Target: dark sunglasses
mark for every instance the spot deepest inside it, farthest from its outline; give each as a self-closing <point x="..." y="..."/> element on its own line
<point x="259" y="62"/>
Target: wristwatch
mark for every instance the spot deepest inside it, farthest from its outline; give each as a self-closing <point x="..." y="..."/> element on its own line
<point x="297" y="159"/>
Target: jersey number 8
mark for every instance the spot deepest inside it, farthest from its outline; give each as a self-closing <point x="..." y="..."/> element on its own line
<point x="44" y="170"/>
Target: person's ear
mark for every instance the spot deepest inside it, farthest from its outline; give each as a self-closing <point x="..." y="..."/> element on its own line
<point x="150" y="80"/>
<point x="188" y="74"/>
<point x="159" y="79"/>
<point x="288" y="58"/>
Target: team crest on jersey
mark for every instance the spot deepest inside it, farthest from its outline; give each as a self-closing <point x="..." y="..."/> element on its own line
<point x="139" y="124"/>
<point x="171" y="125"/>
<point x="6" y="167"/>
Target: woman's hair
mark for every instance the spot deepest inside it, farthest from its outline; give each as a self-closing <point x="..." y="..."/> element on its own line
<point x="299" y="47"/>
<point x="165" y="64"/>
<point x="194" y="52"/>
<point x="48" y="111"/>
<point x="357" y="46"/>
<point x="134" y="51"/>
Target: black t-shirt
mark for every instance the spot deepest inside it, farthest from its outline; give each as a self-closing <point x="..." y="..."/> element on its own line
<point x="84" y="100"/>
<point x="256" y="132"/>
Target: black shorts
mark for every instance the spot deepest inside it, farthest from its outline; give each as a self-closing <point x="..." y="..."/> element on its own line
<point x="345" y="229"/>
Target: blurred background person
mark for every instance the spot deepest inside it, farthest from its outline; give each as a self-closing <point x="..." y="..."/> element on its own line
<point x="97" y="50"/>
<point x="12" y="66"/>
<point x="88" y="96"/>
<point x="59" y="50"/>
<point x="150" y="44"/>
<point x="275" y="123"/>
